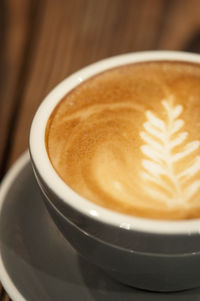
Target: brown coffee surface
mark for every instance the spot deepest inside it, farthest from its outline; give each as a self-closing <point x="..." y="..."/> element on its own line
<point x="128" y="139"/>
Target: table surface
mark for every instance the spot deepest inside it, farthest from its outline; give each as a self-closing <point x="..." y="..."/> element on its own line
<point x="42" y="42"/>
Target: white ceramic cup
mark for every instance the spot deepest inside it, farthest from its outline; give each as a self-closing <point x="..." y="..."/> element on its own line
<point x="144" y="253"/>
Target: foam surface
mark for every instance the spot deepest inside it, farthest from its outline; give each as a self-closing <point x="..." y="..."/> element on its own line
<point x="129" y="140"/>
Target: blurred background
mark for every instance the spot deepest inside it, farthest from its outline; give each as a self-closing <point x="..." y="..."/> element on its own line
<point x="43" y="41"/>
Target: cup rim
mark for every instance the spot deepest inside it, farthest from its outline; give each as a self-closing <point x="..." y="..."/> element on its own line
<point x="43" y="165"/>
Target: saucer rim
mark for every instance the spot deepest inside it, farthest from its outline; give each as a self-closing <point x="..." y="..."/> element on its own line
<point x="6" y="281"/>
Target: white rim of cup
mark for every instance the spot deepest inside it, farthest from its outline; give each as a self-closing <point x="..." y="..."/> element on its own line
<point x="59" y="187"/>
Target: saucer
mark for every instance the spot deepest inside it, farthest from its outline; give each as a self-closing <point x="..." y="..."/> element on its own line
<point x="37" y="263"/>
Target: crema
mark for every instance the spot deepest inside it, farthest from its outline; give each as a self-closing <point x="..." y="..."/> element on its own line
<point x="128" y="139"/>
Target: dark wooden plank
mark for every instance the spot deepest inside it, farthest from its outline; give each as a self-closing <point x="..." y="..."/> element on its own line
<point x="3" y="295"/>
<point x="2" y="292"/>
<point x="180" y="24"/>
<point x="14" y="21"/>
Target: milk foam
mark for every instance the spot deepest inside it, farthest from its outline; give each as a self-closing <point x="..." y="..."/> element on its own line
<point x="161" y="141"/>
<point x="131" y="140"/>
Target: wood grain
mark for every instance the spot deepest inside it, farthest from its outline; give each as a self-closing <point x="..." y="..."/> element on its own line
<point x="14" y="21"/>
<point x="42" y="42"/>
<point x="182" y="22"/>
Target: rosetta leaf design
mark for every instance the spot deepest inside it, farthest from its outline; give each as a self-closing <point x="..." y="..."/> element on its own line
<point x="161" y="138"/>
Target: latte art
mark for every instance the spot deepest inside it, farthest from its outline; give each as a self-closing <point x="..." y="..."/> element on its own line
<point x="162" y="138"/>
<point x="128" y="139"/>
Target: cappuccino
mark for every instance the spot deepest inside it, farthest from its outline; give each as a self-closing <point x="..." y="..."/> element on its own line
<point x="128" y="139"/>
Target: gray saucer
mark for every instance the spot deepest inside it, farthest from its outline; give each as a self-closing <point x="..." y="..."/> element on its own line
<point x="37" y="263"/>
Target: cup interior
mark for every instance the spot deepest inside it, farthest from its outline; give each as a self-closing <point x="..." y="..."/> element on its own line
<point x="41" y="160"/>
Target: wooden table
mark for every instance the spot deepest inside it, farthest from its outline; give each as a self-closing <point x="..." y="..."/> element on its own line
<point x="42" y="42"/>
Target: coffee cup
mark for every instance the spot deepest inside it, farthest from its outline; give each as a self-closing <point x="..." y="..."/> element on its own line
<point x="118" y="191"/>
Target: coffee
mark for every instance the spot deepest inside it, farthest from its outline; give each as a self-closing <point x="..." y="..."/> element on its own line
<point x="128" y="139"/>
